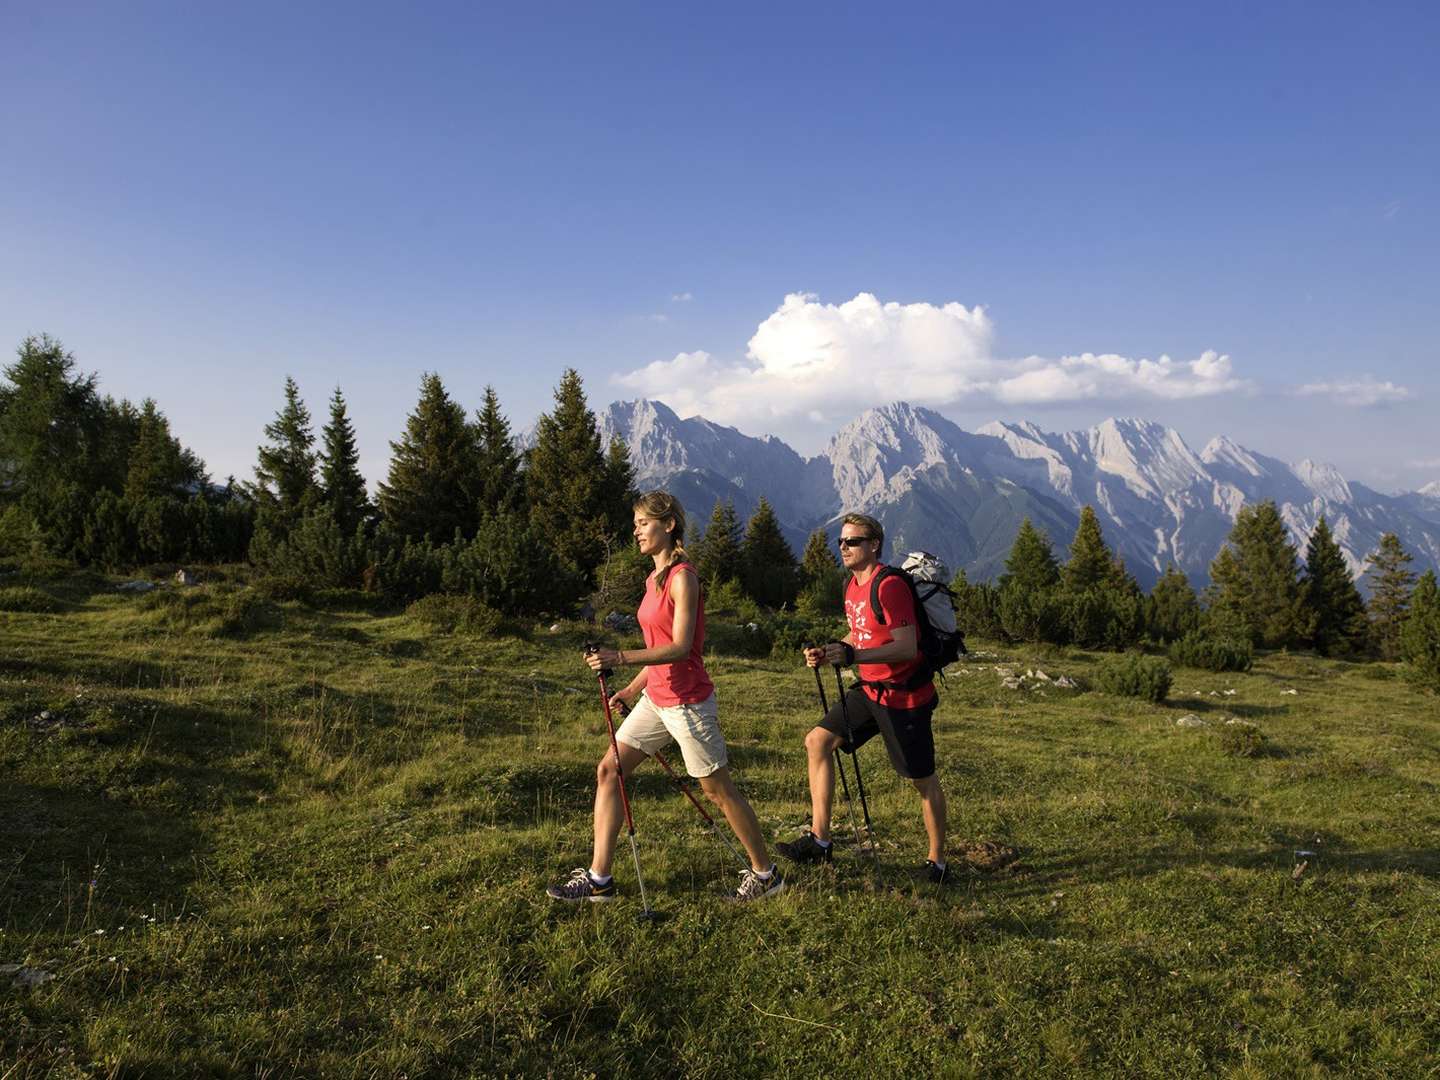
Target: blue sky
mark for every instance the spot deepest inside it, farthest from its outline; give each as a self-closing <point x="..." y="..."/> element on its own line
<point x="198" y="201"/>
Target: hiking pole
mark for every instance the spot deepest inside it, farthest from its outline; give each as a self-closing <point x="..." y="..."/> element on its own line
<point x="839" y="761"/>
<point x="604" y="673"/>
<point x="859" y="780"/>
<point x="685" y="790"/>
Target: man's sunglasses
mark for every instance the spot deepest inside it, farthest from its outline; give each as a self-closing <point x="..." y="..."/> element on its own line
<point x="852" y="541"/>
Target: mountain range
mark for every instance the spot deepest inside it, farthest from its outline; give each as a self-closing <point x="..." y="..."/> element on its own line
<point x="963" y="495"/>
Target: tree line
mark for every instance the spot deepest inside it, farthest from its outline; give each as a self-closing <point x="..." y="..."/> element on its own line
<point x="102" y="482"/>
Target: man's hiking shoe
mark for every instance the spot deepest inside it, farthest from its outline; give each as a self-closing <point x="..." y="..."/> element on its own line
<point x="581" y="886"/>
<point x="935" y="875"/>
<point x="755" y="887"/>
<point x="805" y="848"/>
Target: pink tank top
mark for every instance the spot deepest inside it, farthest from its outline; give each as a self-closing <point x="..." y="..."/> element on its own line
<point x="684" y="682"/>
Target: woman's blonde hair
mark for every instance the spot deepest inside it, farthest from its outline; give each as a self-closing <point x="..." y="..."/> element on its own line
<point x="665" y="508"/>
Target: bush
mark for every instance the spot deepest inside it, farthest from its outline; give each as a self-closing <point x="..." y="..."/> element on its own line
<point x="241" y="613"/>
<point x="1134" y="675"/>
<point x="1200" y="650"/>
<point x="728" y="598"/>
<point x="789" y="631"/>
<point x="749" y="640"/>
<point x="449" y="613"/>
<point x="1240" y="739"/>
<point x="27" y="599"/>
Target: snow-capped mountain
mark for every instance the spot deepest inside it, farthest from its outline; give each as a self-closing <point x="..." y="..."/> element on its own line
<point x="963" y="494"/>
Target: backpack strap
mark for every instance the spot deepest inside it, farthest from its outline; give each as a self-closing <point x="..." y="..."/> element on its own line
<point x="880" y="575"/>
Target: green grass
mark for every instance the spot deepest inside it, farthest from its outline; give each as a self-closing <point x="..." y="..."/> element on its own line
<point x="257" y="839"/>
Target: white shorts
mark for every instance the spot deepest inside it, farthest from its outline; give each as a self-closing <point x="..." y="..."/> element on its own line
<point x="696" y="728"/>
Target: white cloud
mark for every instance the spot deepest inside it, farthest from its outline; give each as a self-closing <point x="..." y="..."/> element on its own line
<point x="813" y="361"/>
<point x="1365" y="391"/>
<point x="1424" y="463"/>
<point x="681" y="297"/>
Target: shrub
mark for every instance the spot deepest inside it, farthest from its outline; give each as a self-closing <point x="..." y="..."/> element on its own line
<point x="449" y="612"/>
<point x="750" y="640"/>
<point x="1134" y="675"/>
<point x="28" y="599"/>
<point x="1240" y="739"/>
<point x="789" y="631"/>
<point x="1200" y="650"/>
<point x="728" y="598"/>
<point x="241" y="613"/>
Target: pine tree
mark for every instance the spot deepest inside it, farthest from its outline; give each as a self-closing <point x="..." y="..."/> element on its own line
<point x="769" y="574"/>
<point x="822" y="577"/>
<point x="1173" y="609"/>
<point x="1420" y="634"/>
<point x="1091" y="562"/>
<point x="620" y="493"/>
<point x="287" y="461"/>
<point x="50" y="420"/>
<point x="341" y="485"/>
<point x="1259" y="581"/>
<point x="1330" y="595"/>
<point x="1030" y="566"/>
<point x="1390" y="586"/>
<point x="501" y="485"/>
<point x="717" y="553"/>
<point x="433" y="481"/>
<point x="158" y="465"/>
<point x="568" y="483"/>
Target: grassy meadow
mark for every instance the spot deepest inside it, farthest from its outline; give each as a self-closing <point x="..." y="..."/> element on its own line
<point x="249" y="836"/>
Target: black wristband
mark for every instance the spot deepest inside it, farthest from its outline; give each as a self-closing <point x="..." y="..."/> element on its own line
<point x="849" y="652"/>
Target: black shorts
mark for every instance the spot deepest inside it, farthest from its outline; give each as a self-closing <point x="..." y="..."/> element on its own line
<point x="908" y="738"/>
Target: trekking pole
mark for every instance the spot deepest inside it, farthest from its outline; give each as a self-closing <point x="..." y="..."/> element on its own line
<point x="602" y="675"/>
<point x="859" y="780"/>
<point x="685" y="790"/>
<point x="839" y="760"/>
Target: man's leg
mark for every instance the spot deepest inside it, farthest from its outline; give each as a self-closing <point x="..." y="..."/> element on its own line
<point x="932" y="800"/>
<point x="820" y="747"/>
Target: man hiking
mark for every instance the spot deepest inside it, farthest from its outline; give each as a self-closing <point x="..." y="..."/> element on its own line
<point x="671" y="699"/>
<point x="895" y="698"/>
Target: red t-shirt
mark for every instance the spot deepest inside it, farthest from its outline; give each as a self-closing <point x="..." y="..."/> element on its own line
<point x="684" y="682"/>
<point x="868" y="632"/>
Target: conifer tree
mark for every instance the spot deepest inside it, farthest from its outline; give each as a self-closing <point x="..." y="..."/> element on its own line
<point x="1390" y="586"/>
<point x="1091" y="562"/>
<point x="158" y="465"/>
<point x="287" y="461"/>
<point x="341" y="485"/>
<point x="433" y="481"/>
<point x="1030" y="566"/>
<point x="1259" y="581"/>
<point x="768" y="571"/>
<point x="822" y="578"/>
<point x="1420" y="634"/>
<point x="620" y="493"/>
<point x="1173" y="609"/>
<point x="501" y="485"/>
<point x="717" y="553"/>
<point x="49" y="425"/>
<point x="1335" y="605"/>
<point x="568" y="483"/>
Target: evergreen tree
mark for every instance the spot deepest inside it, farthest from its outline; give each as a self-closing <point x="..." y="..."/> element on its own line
<point x="1173" y="609"/>
<point x="287" y="461"/>
<point x="1390" y="586"/>
<point x="50" y="421"/>
<point x="1091" y="562"/>
<point x="768" y="571"/>
<point x="620" y="493"/>
<point x="717" y="553"/>
<point x="1260" y="582"/>
<point x="342" y="487"/>
<point x="1330" y="595"/>
<point x="822" y="577"/>
<point x="1030" y="566"/>
<point x="158" y="465"/>
<point x="568" y="483"/>
<point x="1420" y="634"/>
<point x="434" y="480"/>
<point x="501" y="485"/>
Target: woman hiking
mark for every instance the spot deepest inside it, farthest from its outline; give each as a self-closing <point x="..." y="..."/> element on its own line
<point x="671" y="698"/>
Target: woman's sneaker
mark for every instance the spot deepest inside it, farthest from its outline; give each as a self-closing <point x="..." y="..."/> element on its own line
<point x="755" y="887"/>
<point x="806" y="848"/>
<point x="581" y="886"/>
<point x="935" y="875"/>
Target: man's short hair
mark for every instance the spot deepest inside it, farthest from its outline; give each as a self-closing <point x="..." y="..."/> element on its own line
<point x="873" y="528"/>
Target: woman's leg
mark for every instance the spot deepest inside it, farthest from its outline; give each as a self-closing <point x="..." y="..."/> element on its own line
<point x="720" y="789"/>
<point x="609" y="811"/>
